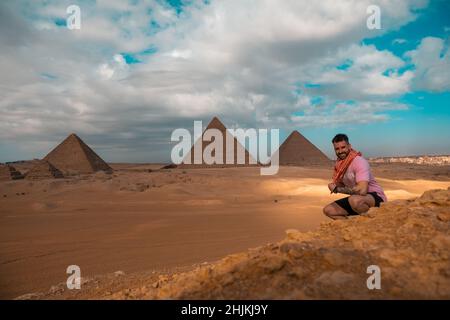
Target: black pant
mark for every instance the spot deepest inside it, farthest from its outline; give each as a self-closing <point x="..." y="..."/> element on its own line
<point x="345" y="204"/>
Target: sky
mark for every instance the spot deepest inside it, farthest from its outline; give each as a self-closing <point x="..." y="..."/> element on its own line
<point x="137" y="70"/>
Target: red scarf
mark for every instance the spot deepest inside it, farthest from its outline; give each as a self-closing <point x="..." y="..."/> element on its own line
<point x="342" y="165"/>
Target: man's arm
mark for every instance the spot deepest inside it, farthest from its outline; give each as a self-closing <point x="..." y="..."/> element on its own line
<point x="362" y="174"/>
<point x="360" y="189"/>
<point x="345" y="190"/>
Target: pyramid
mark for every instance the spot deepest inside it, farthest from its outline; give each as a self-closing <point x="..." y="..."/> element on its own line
<point x="74" y="156"/>
<point x="217" y="124"/>
<point x="43" y="170"/>
<point x="297" y="150"/>
<point x="8" y="172"/>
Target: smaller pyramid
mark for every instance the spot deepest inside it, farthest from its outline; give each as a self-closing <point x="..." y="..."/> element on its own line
<point x="74" y="156"/>
<point x="43" y="170"/>
<point x="8" y="172"/>
<point x="297" y="150"/>
<point x="238" y="148"/>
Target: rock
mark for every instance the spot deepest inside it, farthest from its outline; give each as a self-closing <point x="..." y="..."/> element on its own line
<point x="296" y="272"/>
<point x="437" y="197"/>
<point x="274" y="264"/>
<point x="335" y="278"/>
<point x="56" y="289"/>
<point x="371" y="213"/>
<point x="293" y="234"/>
<point x="227" y="279"/>
<point x="392" y="257"/>
<point x="29" y="296"/>
<point x="444" y="216"/>
<point x="441" y="241"/>
<point x="294" y="248"/>
<point x="347" y="237"/>
<point x="335" y="258"/>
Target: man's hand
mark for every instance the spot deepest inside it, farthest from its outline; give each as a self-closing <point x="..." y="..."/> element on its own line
<point x="331" y="186"/>
<point x="361" y="188"/>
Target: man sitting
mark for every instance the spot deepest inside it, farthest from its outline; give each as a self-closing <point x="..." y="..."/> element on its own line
<point x="352" y="176"/>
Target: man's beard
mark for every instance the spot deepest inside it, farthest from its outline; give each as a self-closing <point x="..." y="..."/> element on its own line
<point x="343" y="155"/>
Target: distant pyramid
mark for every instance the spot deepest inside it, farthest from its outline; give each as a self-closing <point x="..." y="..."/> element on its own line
<point x="43" y="170"/>
<point x="8" y="172"/>
<point x="217" y="124"/>
<point x="74" y="156"/>
<point x="297" y="150"/>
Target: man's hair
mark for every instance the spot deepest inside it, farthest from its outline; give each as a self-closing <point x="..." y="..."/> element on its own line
<point x="340" y="137"/>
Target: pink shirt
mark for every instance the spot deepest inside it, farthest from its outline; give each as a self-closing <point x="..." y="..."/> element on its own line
<point x="359" y="170"/>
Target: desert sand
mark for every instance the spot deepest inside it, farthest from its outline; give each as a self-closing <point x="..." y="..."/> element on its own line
<point x="140" y="222"/>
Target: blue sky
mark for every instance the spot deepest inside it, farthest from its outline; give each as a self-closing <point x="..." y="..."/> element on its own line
<point x="137" y="70"/>
<point x="425" y="127"/>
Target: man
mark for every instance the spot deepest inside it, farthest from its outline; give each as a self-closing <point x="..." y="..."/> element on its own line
<point x="352" y="176"/>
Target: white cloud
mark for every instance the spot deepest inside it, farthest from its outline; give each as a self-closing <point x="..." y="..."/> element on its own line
<point x="117" y="68"/>
<point x="240" y="60"/>
<point x="399" y="41"/>
<point x="369" y="73"/>
<point x="432" y="63"/>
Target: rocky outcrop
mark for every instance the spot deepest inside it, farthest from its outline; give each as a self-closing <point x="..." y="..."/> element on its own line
<point x="408" y="240"/>
<point x="8" y="172"/>
<point x="43" y="170"/>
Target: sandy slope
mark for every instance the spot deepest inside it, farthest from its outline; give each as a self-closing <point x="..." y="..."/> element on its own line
<point x="136" y="220"/>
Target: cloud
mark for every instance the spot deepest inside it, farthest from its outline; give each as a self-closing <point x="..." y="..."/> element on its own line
<point x="432" y="61"/>
<point x="369" y="74"/>
<point x="116" y="68"/>
<point x="399" y="41"/>
<point x="248" y="62"/>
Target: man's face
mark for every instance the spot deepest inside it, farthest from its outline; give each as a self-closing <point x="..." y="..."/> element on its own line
<point x="342" y="149"/>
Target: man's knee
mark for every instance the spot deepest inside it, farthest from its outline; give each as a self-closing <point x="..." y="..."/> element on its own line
<point x="353" y="201"/>
<point x="358" y="203"/>
<point x="329" y="210"/>
<point x="332" y="212"/>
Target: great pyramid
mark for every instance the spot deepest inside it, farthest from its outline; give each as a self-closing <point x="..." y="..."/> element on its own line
<point x="74" y="156"/>
<point x="217" y="124"/>
<point x="8" y="172"/>
<point x="43" y="170"/>
<point x="297" y="150"/>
